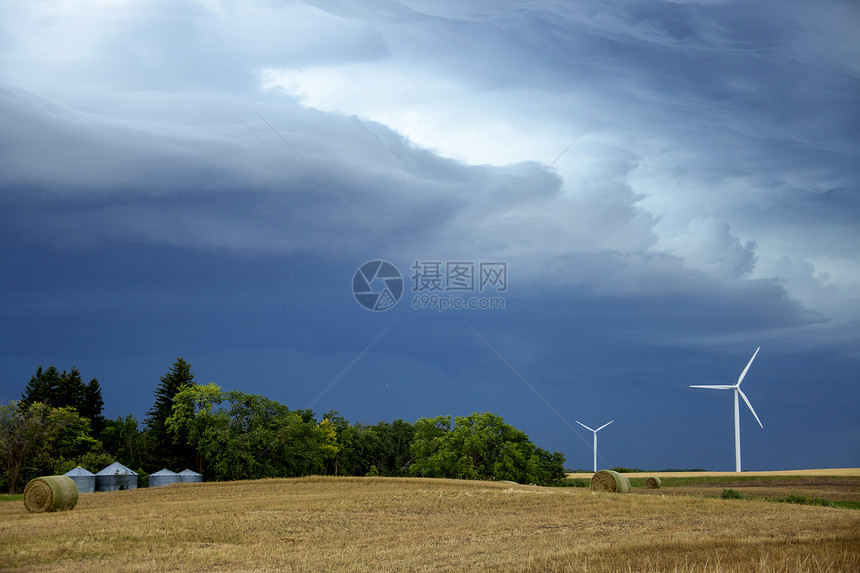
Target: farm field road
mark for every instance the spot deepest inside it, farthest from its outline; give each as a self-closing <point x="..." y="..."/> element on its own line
<point x="392" y="524"/>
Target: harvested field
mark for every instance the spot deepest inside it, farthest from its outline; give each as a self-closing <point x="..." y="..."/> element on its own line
<point x="834" y="490"/>
<point x="360" y="524"/>
<point x="833" y="485"/>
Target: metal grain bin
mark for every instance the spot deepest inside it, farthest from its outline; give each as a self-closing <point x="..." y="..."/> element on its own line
<point x="188" y="476"/>
<point x="116" y="476"/>
<point x="85" y="480"/>
<point x="162" y="478"/>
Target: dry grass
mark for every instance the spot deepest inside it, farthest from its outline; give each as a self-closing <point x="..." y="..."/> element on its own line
<point x="360" y="524"/>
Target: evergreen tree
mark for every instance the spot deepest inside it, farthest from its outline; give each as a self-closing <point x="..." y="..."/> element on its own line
<point x="70" y="391"/>
<point x="92" y="405"/>
<point x="41" y="387"/>
<point x="66" y="390"/>
<point x="161" y="449"/>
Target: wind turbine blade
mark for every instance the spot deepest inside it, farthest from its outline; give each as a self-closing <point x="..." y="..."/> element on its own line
<point x="583" y="425"/>
<point x="603" y="426"/>
<point x="744" y="396"/>
<point x="716" y="387"/>
<point x="744" y="373"/>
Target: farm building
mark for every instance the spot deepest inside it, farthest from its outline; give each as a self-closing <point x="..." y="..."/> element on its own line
<point x="84" y="479"/>
<point x="188" y="476"/>
<point x="116" y="476"/>
<point x="162" y="478"/>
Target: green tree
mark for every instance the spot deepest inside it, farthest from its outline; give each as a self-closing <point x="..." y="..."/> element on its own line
<point x="431" y="448"/>
<point x="339" y="462"/>
<point x="247" y="436"/>
<point x="481" y="446"/>
<point x="67" y="390"/>
<point x="395" y="454"/>
<point x="162" y="449"/>
<point x="32" y="435"/>
<point x="361" y="451"/>
<point x="92" y="406"/>
<point x="42" y="387"/>
<point x="123" y="441"/>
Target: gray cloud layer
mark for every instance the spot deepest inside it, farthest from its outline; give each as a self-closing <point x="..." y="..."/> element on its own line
<point x="713" y="202"/>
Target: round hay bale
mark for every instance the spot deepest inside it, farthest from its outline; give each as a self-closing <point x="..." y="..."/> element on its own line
<point x="653" y="482"/>
<point x="50" y="493"/>
<point x="608" y="480"/>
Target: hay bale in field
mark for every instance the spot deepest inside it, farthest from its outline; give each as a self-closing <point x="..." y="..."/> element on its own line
<point x="653" y="482"/>
<point x="50" y="493"/>
<point x="608" y="480"/>
<point x="84" y="479"/>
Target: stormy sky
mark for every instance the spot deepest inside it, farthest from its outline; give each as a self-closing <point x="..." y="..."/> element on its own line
<point x="669" y="185"/>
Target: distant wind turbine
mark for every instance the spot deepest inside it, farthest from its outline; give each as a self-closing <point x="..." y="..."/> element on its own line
<point x="738" y="391"/>
<point x="595" y="439"/>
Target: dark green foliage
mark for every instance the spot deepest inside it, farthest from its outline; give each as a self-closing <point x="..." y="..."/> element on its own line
<point x="42" y="387"/>
<point x="344" y="435"/>
<point x="164" y="450"/>
<point x="93" y="461"/>
<point x="33" y="439"/>
<point x="123" y="441"/>
<point x="481" y="446"/>
<point x="384" y="446"/>
<point x="92" y="406"/>
<point x="246" y="436"/>
<point x="66" y="390"/>
<point x="731" y="494"/>
<point x="233" y="435"/>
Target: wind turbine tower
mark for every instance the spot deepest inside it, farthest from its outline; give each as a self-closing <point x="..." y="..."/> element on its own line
<point x="738" y="392"/>
<point x="595" y="439"/>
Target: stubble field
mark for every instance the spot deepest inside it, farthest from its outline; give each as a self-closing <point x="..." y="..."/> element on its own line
<point x="381" y="524"/>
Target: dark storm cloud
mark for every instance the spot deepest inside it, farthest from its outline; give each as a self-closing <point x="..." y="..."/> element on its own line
<point x="149" y="207"/>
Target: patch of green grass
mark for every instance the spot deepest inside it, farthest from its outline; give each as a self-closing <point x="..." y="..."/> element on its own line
<point x="729" y="493"/>
<point x="846" y="504"/>
<point x="804" y="500"/>
<point x="758" y="479"/>
<point x="11" y="497"/>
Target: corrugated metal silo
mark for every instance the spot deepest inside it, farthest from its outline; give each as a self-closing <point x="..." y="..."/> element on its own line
<point x="188" y="476"/>
<point x="116" y="476"/>
<point x="85" y="480"/>
<point x="162" y="478"/>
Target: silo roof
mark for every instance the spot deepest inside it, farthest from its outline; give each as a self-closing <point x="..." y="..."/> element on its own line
<point x="116" y="468"/>
<point x="164" y="472"/>
<point x="79" y="471"/>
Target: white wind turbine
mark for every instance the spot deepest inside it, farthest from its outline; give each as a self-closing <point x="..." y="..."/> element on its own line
<point x="595" y="439"/>
<point x="738" y="391"/>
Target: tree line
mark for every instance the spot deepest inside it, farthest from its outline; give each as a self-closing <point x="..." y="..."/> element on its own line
<point x="232" y="435"/>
